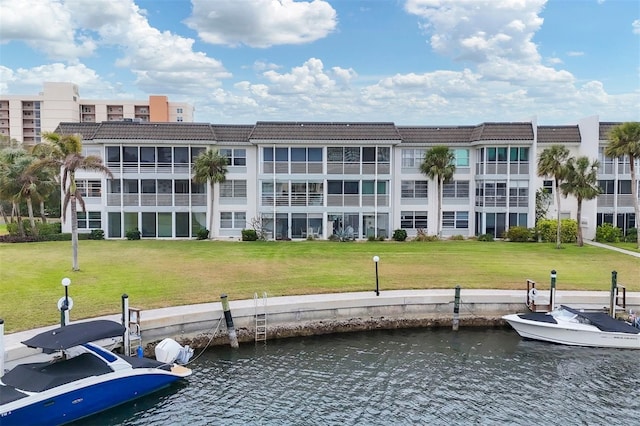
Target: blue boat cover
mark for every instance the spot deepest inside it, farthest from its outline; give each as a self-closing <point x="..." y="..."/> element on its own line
<point x="604" y="321"/>
<point x="75" y="334"/>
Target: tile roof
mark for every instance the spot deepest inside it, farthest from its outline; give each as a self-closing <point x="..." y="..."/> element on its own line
<point x="319" y="131"/>
<point x="140" y="131"/>
<point x="440" y="135"/>
<point x="605" y="128"/>
<point x="503" y="131"/>
<point x="559" y="134"/>
<point x="232" y="133"/>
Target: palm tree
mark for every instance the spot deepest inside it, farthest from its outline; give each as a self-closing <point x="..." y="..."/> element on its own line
<point x="210" y="167"/>
<point x="624" y="139"/>
<point x="552" y="163"/>
<point x="66" y="155"/>
<point x="439" y="164"/>
<point x="581" y="182"/>
<point x="13" y="162"/>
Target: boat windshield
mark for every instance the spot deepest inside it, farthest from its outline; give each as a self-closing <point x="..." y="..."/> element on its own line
<point x="564" y="315"/>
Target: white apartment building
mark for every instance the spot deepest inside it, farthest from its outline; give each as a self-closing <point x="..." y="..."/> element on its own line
<point x="25" y="117"/>
<point x="312" y="178"/>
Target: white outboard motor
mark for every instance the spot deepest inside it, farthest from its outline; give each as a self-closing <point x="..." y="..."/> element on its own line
<point x="169" y="351"/>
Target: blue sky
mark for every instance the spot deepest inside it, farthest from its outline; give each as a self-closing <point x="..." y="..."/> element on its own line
<point x="421" y="62"/>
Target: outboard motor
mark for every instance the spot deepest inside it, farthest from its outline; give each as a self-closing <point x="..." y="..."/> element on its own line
<point x="170" y="351"/>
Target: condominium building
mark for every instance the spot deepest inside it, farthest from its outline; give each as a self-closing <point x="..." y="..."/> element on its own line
<point x="301" y="179"/>
<point x="25" y="117"/>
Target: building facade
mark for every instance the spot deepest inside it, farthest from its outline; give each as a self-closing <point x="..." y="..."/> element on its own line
<point x="25" y="117"/>
<point x="351" y="179"/>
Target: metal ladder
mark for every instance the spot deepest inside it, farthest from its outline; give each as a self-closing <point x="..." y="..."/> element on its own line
<point x="135" y="331"/>
<point x="260" y="305"/>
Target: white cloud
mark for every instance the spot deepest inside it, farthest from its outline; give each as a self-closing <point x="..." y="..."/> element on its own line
<point x="262" y="23"/>
<point x="47" y="26"/>
<point x="574" y="53"/>
<point x="635" y="25"/>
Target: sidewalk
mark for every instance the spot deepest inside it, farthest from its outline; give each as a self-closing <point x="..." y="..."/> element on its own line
<point x="608" y="247"/>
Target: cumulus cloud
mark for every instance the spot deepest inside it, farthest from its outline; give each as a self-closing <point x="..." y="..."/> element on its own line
<point x="262" y="23"/>
<point x="635" y="25"/>
<point x="46" y="26"/>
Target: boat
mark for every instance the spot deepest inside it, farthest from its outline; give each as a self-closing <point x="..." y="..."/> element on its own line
<point x="82" y="378"/>
<point x="575" y="327"/>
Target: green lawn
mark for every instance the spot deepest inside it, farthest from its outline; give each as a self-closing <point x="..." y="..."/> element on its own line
<point x="163" y="273"/>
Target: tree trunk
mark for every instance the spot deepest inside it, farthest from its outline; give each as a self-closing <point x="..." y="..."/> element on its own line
<point x="32" y="220"/>
<point x="74" y="233"/>
<point x="4" y="215"/>
<point x="558" y="227"/>
<point x="634" y="194"/>
<point x="212" y="189"/>
<point x="579" y="217"/>
<point x="42" y="215"/>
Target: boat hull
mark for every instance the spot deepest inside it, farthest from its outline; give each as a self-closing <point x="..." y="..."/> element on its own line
<point x="78" y="400"/>
<point x="572" y="334"/>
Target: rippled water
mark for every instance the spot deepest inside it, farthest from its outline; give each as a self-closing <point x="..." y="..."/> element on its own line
<point x="435" y="377"/>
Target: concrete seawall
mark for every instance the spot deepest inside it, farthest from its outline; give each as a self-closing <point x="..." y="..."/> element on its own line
<point x="290" y="316"/>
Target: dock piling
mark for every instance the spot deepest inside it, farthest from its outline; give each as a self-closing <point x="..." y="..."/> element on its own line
<point x="233" y="338"/>
<point x="612" y="296"/>
<point x="456" y="309"/>
<point x="1" y="347"/>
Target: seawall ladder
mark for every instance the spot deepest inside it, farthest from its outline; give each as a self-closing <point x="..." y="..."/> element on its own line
<point x="260" y="304"/>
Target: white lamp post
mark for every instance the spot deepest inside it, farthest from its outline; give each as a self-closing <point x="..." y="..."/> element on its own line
<point x="376" y="259"/>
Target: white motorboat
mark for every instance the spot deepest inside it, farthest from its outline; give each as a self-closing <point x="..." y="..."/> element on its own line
<point x="574" y="327"/>
<point x="85" y="379"/>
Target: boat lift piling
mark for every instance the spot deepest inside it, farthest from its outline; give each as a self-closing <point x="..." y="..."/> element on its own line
<point x="552" y="291"/>
<point x="456" y="310"/>
<point x="233" y="338"/>
<point x="1" y="347"/>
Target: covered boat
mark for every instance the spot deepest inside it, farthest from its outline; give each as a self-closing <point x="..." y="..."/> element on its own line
<point x="85" y="379"/>
<point x="569" y="326"/>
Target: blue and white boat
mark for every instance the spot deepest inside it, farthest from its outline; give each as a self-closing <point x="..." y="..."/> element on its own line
<point x="83" y="380"/>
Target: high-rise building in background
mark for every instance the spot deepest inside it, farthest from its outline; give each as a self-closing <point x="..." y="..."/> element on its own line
<point x="25" y="117"/>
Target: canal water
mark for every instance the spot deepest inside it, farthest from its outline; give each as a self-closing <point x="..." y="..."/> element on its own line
<point x="399" y="377"/>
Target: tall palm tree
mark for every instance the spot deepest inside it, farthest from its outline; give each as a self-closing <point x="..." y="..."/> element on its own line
<point x="13" y="162"/>
<point x="439" y="164"/>
<point x="624" y="139"/>
<point x="581" y="182"/>
<point x="552" y="163"/>
<point x="65" y="154"/>
<point x="210" y="167"/>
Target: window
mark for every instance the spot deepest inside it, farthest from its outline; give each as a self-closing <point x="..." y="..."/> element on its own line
<point x="412" y="157"/>
<point x="89" y="220"/>
<point x="624" y="187"/>
<point x="518" y="154"/>
<point x="233" y="189"/>
<point x="547" y="186"/>
<point x="413" y="220"/>
<point x="455" y="220"/>
<point x="461" y="157"/>
<point x="414" y="188"/>
<point x="181" y="155"/>
<point x="606" y="186"/>
<point x="89" y="188"/>
<point x="456" y="189"/>
<point x="235" y="157"/>
<point x="233" y="220"/>
<point x="179" y="110"/>
<point x="113" y="154"/>
<point x="164" y="154"/>
<point x="342" y="187"/>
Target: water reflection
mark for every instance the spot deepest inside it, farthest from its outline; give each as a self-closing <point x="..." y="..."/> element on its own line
<point x="395" y="377"/>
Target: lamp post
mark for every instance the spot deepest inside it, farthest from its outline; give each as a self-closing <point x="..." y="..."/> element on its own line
<point x="376" y="259"/>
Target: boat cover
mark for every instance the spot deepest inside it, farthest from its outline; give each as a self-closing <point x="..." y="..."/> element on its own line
<point x="75" y="334"/>
<point x="539" y="316"/>
<point x="604" y="321"/>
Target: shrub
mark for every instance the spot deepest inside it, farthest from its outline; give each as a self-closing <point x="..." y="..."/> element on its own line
<point x="546" y="229"/>
<point x="61" y="237"/>
<point x="96" y="234"/>
<point x="457" y="237"/>
<point x="202" y="234"/>
<point x="485" y="237"/>
<point x="133" y="234"/>
<point x="249" y="235"/>
<point x="49" y="228"/>
<point x="518" y="234"/>
<point x="381" y="238"/>
<point x="423" y="236"/>
<point x="632" y="235"/>
<point x="607" y="233"/>
<point x="371" y="238"/>
<point x="399" y="235"/>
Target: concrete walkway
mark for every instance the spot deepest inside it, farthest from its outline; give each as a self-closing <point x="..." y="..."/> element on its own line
<point x="608" y="247"/>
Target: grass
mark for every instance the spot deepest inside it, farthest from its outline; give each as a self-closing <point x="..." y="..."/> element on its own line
<point x="156" y="273"/>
